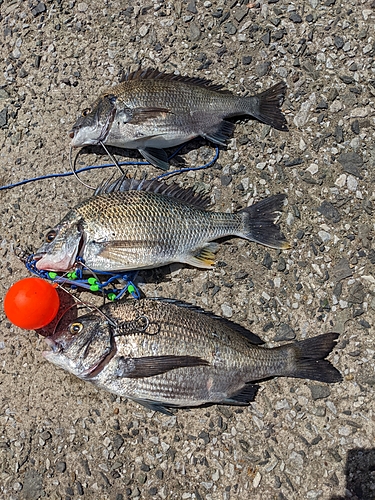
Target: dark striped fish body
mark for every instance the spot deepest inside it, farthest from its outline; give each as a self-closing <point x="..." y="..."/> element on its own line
<point x="163" y="354"/>
<point x="150" y="111"/>
<point x="132" y="224"/>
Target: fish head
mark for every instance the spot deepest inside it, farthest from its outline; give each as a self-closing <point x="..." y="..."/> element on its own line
<point x="84" y="346"/>
<point x="93" y="126"/>
<point x="62" y="245"/>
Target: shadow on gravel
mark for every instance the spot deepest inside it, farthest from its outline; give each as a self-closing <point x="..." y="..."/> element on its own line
<point x="360" y="475"/>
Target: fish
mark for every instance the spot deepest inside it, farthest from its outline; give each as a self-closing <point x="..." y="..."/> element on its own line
<point x="132" y="224"/>
<point x="152" y="110"/>
<point x="167" y="354"/>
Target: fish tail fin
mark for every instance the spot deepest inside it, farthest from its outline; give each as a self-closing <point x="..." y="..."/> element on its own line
<point x="307" y="359"/>
<point x="259" y="222"/>
<point x="267" y="108"/>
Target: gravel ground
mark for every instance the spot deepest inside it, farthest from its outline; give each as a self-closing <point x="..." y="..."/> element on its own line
<point x="63" y="439"/>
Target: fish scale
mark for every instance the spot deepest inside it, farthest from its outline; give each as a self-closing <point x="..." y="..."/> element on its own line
<point x="132" y="224"/>
<point x="182" y="356"/>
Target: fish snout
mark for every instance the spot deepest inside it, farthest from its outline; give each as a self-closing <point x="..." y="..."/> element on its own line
<point x="74" y="136"/>
<point x="55" y="347"/>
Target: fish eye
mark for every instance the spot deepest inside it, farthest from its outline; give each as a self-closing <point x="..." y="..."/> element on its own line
<point x="75" y="328"/>
<point x="86" y="111"/>
<point x="50" y="236"/>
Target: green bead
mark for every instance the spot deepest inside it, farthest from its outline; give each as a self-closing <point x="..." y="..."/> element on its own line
<point x="131" y="289"/>
<point x="91" y="281"/>
<point x="111" y="296"/>
<point x="94" y="288"/>
<point x="52" y="275"/>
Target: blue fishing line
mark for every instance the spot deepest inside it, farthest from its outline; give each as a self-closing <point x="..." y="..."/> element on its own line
<point x="106" y="165"/>
<point x="191" y="169"/>
<point x="75" y="280"/>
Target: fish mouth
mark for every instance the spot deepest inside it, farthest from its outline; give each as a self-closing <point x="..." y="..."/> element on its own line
<point x="62" y="261"/>
<point x="45" y="262"/>
<point x="79" y="139"/>
<point x="55" y="347"/>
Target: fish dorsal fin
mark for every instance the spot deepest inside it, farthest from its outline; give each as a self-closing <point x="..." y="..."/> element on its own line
<point x="155" y="74"/>
<point x="186" y="195"/>
<point x="250" y="336"/>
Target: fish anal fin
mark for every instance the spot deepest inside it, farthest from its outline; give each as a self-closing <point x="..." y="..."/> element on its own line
<point x="203" y="257"/>
<point x="157" y="157"/>
<point x="220" y="134"/>
<point x="242" y="397"/>
<point x="150" y="366"/>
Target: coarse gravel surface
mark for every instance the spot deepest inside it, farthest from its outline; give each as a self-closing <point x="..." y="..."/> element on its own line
<point x="62" y="438"/>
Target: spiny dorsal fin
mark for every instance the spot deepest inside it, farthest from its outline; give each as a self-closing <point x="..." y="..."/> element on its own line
<point x="186" y="195"/>
<point x="252" y="337"/>
<point x="155" y="74"/>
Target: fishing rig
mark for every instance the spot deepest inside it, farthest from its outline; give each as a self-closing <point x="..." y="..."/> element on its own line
<point x="75" y="172"/>
<point x="114" y="285"/>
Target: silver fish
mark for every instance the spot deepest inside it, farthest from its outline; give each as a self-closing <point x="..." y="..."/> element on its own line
<point x="164" y="354"/>
<point x="151" y="110"/>
<point x="133" y="224"/>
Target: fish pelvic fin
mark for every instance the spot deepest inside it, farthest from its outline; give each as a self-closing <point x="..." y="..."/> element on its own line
<point x="157" y="157"/>
<point x="306" y="359"/>
<point x="259" y="222"/>
<point x="268" y="106"/>
<point x="203" y="257"/>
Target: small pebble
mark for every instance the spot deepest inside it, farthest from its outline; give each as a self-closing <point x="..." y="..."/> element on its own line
<point x="284" y="332"/>
<point x="319" y="391"/>
<point x="82" y="7"/>
<point x="227" y="310"/>
<point x="352" y="183"/>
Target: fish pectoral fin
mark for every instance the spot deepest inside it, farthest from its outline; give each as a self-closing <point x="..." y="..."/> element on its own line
<point x="140" y="115"/>
<point x="157" y="157"/>
<point x="242" y="397"/>
<point x="219" y="134"/>
<point x="203" y="257"/>
<point x="149" y="366"/>
<point x="122" y="250"/>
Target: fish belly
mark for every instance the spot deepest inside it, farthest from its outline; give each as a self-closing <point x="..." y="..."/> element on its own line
<point x="154" y="135"/>
<point x="181" y="387"/>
